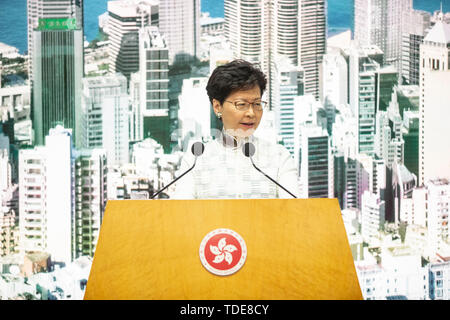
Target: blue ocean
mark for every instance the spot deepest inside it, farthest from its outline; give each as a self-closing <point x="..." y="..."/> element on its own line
<point x="13" y="17"/>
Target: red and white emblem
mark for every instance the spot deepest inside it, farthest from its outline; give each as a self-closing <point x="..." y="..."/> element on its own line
<point x="223" y="252"/>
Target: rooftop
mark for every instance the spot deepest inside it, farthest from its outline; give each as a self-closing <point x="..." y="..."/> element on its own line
<point x="130" y="8"/>
<point x="401" y="251"/>
<point x="440" y="33"/>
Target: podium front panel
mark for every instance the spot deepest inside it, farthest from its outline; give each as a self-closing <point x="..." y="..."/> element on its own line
<point x="296" y="249"/>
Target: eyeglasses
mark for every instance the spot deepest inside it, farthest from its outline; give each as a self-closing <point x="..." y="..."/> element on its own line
<point x="242" y="105"/>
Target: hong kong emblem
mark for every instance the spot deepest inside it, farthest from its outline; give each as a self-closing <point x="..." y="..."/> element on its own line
<point x="223" y="252"/>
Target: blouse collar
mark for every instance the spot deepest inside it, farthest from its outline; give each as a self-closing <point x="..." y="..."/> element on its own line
<point x="229" y="141"/>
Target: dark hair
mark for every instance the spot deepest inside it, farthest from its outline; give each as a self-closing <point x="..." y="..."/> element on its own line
<point x="235" y="75"/>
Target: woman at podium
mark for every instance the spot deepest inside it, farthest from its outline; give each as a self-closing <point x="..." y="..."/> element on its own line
<point x="223" y="171"/>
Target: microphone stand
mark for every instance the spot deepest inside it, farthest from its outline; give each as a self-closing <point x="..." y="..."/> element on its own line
<point x="249" y="150"/>
<point x="197" y="150"/>
<point x="272" y="179"/>
<point x="154" y="195"/>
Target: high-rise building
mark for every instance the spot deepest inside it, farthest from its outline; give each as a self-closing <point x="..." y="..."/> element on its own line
<point x="179" y="22"/>
<point x="105" y="116"/>
<point x="260" y="31"/>
<point x="125" y="20"/>
<point x="383" y="23"/>
<point x="62" y="197"/>
<point x="312" y="41"/>
<point x="316" y="163"/>
<point x="334" y="79"/>
<point x="434" y="157"/>
<point x="285" y="89"/>
<point x="420" y="22"/>
<point x="51" y="9"/>
<point x="46" y="196"/>
<point x="135" y="120"/>
<point x="5" y="170"/>
<point x="91" y="197"/>
<point x="387" y="79"/>
<point x="389" y="143"/>
<point x="246" y="29"/>
<point x="372" y="215"/>
<point x="57" y="74"/>
<point x="437" y="206"/>
<point x="370" y="90"/>
<point x="154" y="85"/>
<point x="410" y="135"/>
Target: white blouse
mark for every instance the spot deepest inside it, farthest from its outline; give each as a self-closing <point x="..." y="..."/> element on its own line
<point x="224" y="172"/>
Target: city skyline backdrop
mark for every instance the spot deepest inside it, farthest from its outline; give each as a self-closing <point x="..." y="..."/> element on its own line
<point x="363" y="114"/>
<point x="13" y="17"/>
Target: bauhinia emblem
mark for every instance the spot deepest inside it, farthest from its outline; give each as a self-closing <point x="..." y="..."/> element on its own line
<point x="223" y="252"/>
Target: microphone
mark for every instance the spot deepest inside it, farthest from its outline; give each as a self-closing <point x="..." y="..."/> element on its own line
<point x="197" y="150"/>
<point x="249" y="150"/>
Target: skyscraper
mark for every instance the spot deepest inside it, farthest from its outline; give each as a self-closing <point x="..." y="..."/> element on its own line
<point x="316" y="164"/>
<point x="125" y="20"/>
<point x="363" y="67"/>
<point x="420" y="22"/>
<point x="383" y="23"/>
<point x="312" y="41"/>
<point x="154" y="85"/>
<point x="105" y="116"/>
<point x="57" y="73"/>
<point x="285" y="89"/>
<point x="91" y="196"/>
<point x="261" y="31"/>
<point x="179" y="22"/>
<point x="50" y="9"/>
<point x="434" y="108"/>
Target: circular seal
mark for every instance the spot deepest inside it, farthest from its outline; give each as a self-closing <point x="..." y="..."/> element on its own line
<point x="223" y="252"/>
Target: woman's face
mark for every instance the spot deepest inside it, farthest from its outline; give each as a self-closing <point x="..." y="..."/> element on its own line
<point x="238" y="123"/>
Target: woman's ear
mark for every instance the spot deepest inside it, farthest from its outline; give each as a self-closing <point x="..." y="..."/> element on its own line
<point x="217" y="106"/>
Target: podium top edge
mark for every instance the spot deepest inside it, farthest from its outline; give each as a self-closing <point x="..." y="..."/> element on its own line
<point x="256" y="199"/>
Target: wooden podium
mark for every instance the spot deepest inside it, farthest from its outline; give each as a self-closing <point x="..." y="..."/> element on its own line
<point x="296" y="249"/>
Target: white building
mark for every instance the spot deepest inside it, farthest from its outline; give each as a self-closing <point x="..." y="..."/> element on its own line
<point x="195" y="110"/>
<point x="5" y="171"/>
<point x="439" y="277"/>
<point x="345" y="131"/>
<point x="46" y="196"/>
<point x="179" y="22"/>
<point x="437" y="206"/>
<point x="372" y="215"/>
<point x="106" y="117"/>
<point x="7" y="51"/>
<point x="62" y="197"/>
<point x="398" y="276"/>
<point x="144" y="157"/>
<point x="434" y="109"/>
<point x="334" y="79"/>
<point x="66" y="283"/>
<point x="405" y="275"/>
